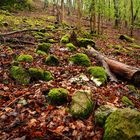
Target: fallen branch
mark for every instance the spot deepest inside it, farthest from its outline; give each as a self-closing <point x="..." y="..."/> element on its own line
<point x="59" y="134"/>
<point x="31" y="30"/>
<point x="19" y="31"/>
<point x="128" y="72"/>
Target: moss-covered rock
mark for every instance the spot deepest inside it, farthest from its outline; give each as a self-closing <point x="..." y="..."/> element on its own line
<point x="44" y="47"/>
<point x="65" y="39"/>
<point x="123" y="124"/>
<point x="52" y="41"/>
<point x="127" y="38"/>
<point x="82" y="104"/>
<point x="134" y="46"/>
<point x="125" y="100"/>
<point x="50" y="27"/>
<point x="20" y="75"/>
<point x="99" y="73"/>
<point x="58" y="96"/>
<point x="84" y="42"/>
<point x="39" y="52"/>
<point x="102" y="113"/>
<point x="25" y="58"/>
<point x="52" y="60"/>
<point x="70" y="47"/>
<point x="39" y="74"/>
<point x="80" y="59"/>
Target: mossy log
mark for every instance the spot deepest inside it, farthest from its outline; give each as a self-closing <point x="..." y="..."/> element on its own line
<point x="128" y="72"/>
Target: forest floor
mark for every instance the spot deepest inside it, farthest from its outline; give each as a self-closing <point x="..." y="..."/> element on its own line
<point x="24" y="110"/>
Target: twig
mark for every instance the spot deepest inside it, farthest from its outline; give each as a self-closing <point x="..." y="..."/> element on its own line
<point x="60" y="134"/>
<point x="16" y="99"/>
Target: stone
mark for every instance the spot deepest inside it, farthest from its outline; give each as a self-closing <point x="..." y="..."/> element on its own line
<point x="123" y="124"/>
<point x="80" y="59"/>
<point x="98" y="72"/>
<point x="20" y="75"/>
<point x="25" y="58"/>
<point x="58" y="96"/>
<point x="44" y="47"/>
<point x="125" y="100"/>
<point x="52" y="60"/>
<point x="39" y="74"/>
<point x="70" y="47"/>
<point x="84" y="42"/>
<point x="102" y="113"/>
<point x="65" y="39"/>
<point x="81" y="105"/>
<point x="126" y="38"/>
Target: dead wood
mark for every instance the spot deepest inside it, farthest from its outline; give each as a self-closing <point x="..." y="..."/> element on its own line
<point x="125" y="71"/>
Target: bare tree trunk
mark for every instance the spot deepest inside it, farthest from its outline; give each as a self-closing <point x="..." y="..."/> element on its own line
<point x="99" y="16"/>
<point x="116" y="14"/>
<point x="79" y="14"/>
<point x="132" y="18"/>
<point x="92" y="17"/>
<point x="62" y="11"/>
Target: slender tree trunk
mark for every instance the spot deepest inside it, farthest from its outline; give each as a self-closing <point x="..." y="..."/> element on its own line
<point x="62" y="11"/>
<point x="109" y="12"/>
<point x="79" y="13"/>
<point x="99" y="16"/>
<point x="116" y="14"/>
<point x="69" y="7"/>
<point x="92" y="17"/>
<point x="132" y="17"/>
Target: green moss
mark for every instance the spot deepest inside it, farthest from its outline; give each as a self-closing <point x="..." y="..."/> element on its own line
<point x="52" y="60"/>
<point x="44" y="47"/>
<point x="58" y="96"/>
<point x="102" y="113"/>
<point x="20" y="75"/>
<point x="80" y="59"/>
<point x="123" y="124"/>
<point x="82" y="104"/>
<point x="134" y="46"/>
<point x="50" y="27"/>
<point x="65" y="39"/>
<point x="39" y="52"/>
<point x="84" y="42"/>
<point x="99" y="73"/>
<point x="51" y="41"/>
<point x="39" y="74"/>
<point x="25" y="58"/>
<point x="48" y="76"/>
<point x="125" y="100"/>
<point x="127" y="38"/>
<point x="70" y="47"/>
<point x="133" y="89"/>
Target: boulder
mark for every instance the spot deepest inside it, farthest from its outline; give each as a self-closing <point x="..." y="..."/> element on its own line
<point x="44" y="47"/>
<point x="70" y="47"/>
<point x="52" y="60"/>
<point x="39" y="52"/>
<point x="102" y="113"/>
<point x="126" y="38"/>
<point x="20" y="75"/>
<point x="82" y="104"/>
<point x="126" y="101"/>
<point x="84" y="42"/>
<point x="39" y="74"/>
<point x="80" y="59"/>
<point x="98" y="73"/>
<point x="58" y="96"/>
<point x="25" y="58"/>
<point x="123" y="124"/>
<point x="65" y="39"/>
